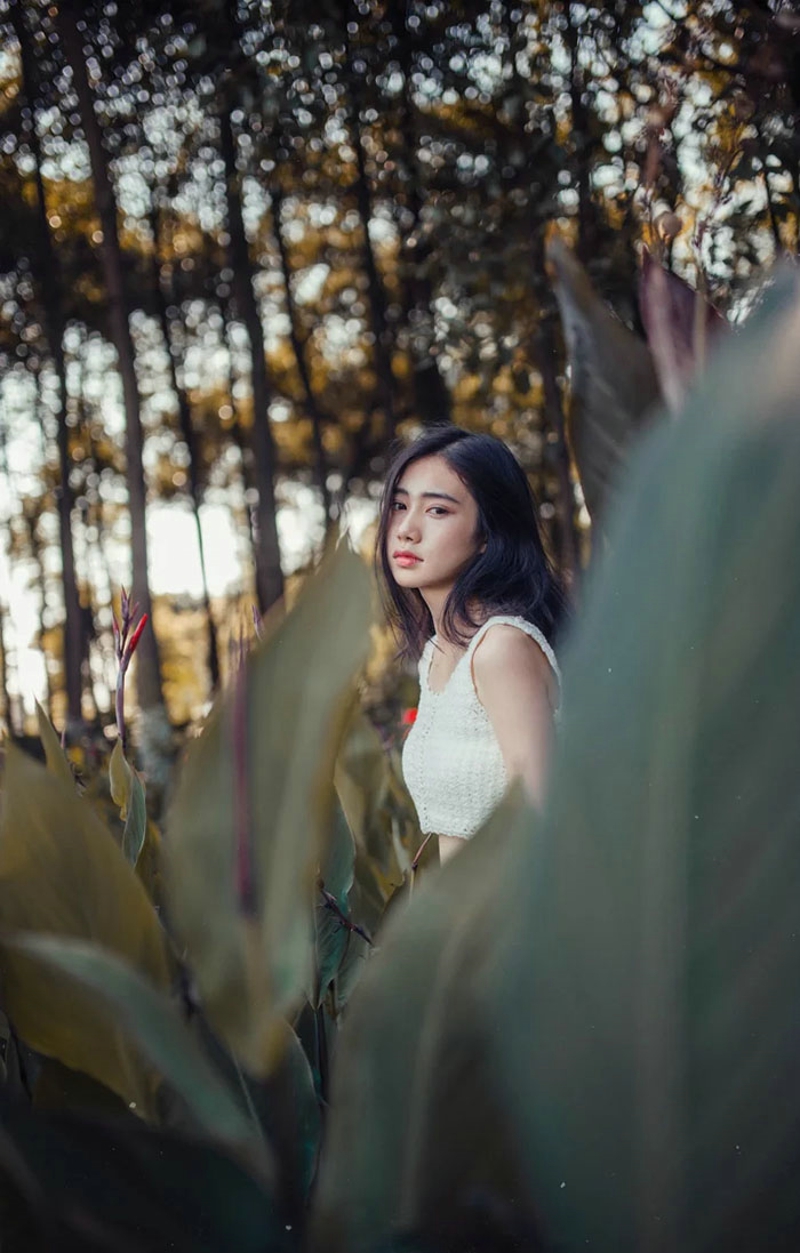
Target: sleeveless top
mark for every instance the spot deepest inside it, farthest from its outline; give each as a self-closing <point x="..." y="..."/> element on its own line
<point x="452" y="764"/>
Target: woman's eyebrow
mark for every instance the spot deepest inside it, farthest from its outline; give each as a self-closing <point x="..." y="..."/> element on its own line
<point x="401" y="491"/>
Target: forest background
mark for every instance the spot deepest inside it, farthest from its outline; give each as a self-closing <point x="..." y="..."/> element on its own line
<point x="245" y="245"/>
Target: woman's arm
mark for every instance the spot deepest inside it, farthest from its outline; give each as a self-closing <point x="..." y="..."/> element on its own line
<point x="517" y="688"/>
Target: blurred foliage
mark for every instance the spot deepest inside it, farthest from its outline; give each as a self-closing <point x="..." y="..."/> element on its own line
<point x="585" y="1028"/>
<point x="570" y="1033"/>
<point x="211" y="1009"/>
<point x="573" y="1036"/>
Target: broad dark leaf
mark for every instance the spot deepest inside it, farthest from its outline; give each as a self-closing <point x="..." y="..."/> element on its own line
<point x="613" y="384"/>
<point x="331" y="934"/>
<point x="146" y="1016"/>
<point x="646" y="1009"/>
<point x="62" y="873"/>
<point x="249" y="827"/>
<point x="110" y="1187"/>
<point x="682" y="328"/>
<point x="417" y="1142"/>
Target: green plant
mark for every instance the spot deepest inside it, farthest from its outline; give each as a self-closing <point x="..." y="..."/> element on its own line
<point x="219" y="1026"/>
<point x="584" y="1029"/>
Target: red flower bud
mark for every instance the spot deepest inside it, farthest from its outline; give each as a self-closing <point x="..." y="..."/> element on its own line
<point x="134" y="640"/>
<point x="409" y="717"/>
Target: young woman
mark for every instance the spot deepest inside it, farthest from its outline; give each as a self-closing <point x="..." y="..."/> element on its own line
<point x="472" y="596"/>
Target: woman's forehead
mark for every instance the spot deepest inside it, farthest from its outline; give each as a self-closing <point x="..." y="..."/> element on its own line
<point x="432" y="474"/>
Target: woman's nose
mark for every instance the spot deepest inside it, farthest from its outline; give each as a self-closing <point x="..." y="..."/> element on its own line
<point x="408" y="528"/>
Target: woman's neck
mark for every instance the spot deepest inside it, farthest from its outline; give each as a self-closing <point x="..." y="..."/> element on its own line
<point x="436" y="601"/>
<point x="436" y="604"/>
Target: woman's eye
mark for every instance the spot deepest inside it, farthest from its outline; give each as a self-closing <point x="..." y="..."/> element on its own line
<point x="397" y="504"/>
<point x="439" y="511"/>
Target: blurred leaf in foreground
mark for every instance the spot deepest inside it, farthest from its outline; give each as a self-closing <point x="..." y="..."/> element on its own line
<point x="418" y="1144"/>
<point x="112" y="1187"/>
<point x="149" y="1019"/>
<point x="249" y="826"/>
<point x="62" y="873"/>
<point x="651" y="960"/>
<point x="589" y="1025"/>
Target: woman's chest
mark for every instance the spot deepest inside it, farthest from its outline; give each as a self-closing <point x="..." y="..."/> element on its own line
<point x="451" y="755"/>
<point x="440" y="671"/>
<point x="450" y="724"/>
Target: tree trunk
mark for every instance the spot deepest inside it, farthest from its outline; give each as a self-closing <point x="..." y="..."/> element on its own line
<point x="239" y="437"/>
<point x="148" y="678"/>
<point x="189" y="438"/>
<point x="269" y="575"/>
<point x="363" y="196"/>
<point x="13" y="713"/>
<point x="103" y="638"/>
<point x="544" y="353"/>
<point x="46" y="274"/>
<point x="580" y="141"/>
<point x="546" y="361"/>
<point x="430" y="391"/>
<point x="298" y="348"/>
<point x="31" y="521"/>
<point x="377" y="300"/>
<point x="4" y="696"/>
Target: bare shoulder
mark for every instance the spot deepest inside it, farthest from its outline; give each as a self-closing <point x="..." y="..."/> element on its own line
<point x="503" y="644"/>
<point x="507" y="655"/>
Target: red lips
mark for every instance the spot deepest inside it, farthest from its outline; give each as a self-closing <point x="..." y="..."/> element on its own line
<point x="403" y="556"/>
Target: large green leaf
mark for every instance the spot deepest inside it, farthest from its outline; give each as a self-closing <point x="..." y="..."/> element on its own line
<point x="62" y="873"/>
<point x="146" y="1016"/>
<point x="332" y="906"/>
<point x="105" y="1187"/>
<point x="418" y="1143"/>
<point x="377" y="806"/>
<point x="248" y="828"/>
<point x="600" y="1028"/>
<point x="289" y="1110"/>
<point x="58" y="1088"/>
<point x="127" y="792"/>
<point x="53" y="752"/>
<point x="646" y="1001"/>
<point x="613" y="384"/>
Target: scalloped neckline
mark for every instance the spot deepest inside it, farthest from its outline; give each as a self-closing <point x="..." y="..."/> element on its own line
<point x="441" y="691"/>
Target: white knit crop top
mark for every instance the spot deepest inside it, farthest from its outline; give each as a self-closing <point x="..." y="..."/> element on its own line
<point x="452" y="764"/>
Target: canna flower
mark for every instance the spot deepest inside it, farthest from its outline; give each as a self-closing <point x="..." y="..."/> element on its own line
<point x="126" y="637"/>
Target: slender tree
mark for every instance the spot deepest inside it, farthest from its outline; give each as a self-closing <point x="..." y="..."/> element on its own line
<point x="269" y="574"/>
<point x="185" y="423"/>
<point x="431" y="394"/>
<point x="4" y="696"/>
<point x="362" y="192"/>
<point x="148" y="677"/>
<point x="299" y="348"/>
<point x="47" y="274"/>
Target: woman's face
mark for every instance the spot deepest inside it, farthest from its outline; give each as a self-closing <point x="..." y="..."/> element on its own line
<point x="433" y="528"/>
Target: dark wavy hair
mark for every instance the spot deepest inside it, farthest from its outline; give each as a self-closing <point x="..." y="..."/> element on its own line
<point x="512" y="575"/>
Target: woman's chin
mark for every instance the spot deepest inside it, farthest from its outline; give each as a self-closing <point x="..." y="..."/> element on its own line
<point x="406" y="576"/>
